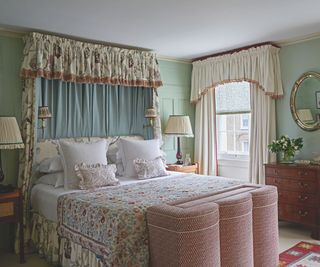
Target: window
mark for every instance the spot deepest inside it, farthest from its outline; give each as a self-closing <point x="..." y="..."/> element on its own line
<point x="244" y="122"/>
<point x="233" y="120"/>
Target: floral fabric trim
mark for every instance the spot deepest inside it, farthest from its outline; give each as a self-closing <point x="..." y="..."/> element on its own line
<point x="59" y="251"/>
<point x="53" y="57"/>
<point x="28" y="131"/>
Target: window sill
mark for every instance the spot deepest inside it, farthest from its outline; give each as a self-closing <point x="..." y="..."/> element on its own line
<point x="241" y="163"/>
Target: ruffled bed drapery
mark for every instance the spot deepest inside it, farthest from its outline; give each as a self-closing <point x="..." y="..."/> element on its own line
<point x="59" y="251"/>
<point x="259" y="65"/>
<point x="53" y="57"/>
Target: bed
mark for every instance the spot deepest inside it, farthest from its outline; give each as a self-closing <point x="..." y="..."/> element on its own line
<point x="108" y="226"/>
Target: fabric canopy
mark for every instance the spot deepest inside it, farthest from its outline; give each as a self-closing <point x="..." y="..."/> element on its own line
<point x="53" y="57"/>
<point x="259" y="65"/>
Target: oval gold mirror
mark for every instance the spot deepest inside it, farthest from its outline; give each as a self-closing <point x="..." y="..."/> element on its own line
<point x="305" y="101"/>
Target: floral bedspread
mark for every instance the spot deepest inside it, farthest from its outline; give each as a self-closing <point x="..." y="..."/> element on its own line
<point x="111" y="222"/>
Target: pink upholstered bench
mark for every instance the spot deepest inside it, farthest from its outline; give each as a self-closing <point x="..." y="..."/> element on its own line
<point x="247" y="223"/>
<point x="184" y="236"/>
<point x="265" y="226"/>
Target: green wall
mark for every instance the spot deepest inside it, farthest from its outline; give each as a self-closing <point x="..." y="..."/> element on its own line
<point x="296" y="59"/>
<point x="10" y="99"/>
<point x="175" y="99"/>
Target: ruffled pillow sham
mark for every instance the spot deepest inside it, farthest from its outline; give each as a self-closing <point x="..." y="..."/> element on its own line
<point x="96" y="175"/>
<point x="150" y="168"/>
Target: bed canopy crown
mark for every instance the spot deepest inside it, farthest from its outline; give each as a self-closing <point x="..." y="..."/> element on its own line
<point x="53" y="57"/>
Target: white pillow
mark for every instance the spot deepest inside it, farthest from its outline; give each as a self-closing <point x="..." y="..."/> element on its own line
<point x="49" y="165"/>
<point x="129" y="150"/>
<point x="150" y="168"/>
<point x="54" y="179"/>
<point x="76" y="153"/>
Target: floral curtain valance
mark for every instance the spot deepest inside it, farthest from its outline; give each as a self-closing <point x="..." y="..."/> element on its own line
<point x="53" y="57"/>
<point x="259" y="65"/>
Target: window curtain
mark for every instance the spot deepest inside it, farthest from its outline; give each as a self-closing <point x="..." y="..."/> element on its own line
<point x="263" y="131"/>
<point x="259" y="66"/>
<point x="56" y="58"/>
<point x="94" y="109"/>
<point x="205" y="135"/>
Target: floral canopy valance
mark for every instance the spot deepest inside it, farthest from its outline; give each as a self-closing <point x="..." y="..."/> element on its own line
<point x="259" y="65"/>
<point x="54" y="57"/>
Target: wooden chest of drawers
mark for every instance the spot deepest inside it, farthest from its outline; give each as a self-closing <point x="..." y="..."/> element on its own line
<point x="299" y="193"/>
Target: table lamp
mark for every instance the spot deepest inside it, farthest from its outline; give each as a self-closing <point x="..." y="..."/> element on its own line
<point x="10" y="137"/>
<point x="180" y="126"/>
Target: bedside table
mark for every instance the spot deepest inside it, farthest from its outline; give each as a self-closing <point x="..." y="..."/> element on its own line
<point x="186" y="169"/>
<point x="11" y="212"/>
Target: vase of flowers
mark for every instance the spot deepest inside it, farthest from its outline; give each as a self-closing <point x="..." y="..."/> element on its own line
<point x="287" y="147"/>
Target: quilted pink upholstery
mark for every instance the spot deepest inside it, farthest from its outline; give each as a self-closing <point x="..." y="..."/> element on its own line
<point x="184" y="236"/>
<point x="265" y="226"/>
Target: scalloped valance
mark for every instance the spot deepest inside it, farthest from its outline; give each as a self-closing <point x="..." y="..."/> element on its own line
<point x="53" y="57"/>
<point x="259" y="65"/>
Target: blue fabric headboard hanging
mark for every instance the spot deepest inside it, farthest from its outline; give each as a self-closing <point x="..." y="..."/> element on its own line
<point x="83" y="110"/>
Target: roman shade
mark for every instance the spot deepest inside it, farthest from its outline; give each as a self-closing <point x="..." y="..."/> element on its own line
<point x="232" y="98"/>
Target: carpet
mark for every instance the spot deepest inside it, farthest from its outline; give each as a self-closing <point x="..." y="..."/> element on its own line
<point x="302" y="254"/>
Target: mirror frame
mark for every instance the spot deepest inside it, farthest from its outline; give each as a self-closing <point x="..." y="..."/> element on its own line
<point x="295" y="88"/>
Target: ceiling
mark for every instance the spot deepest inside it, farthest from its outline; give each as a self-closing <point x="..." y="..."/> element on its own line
<point x="181" y="29"/>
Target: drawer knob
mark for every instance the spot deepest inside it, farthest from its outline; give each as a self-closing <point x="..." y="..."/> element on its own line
<point x="303" y="213"/>
<point x="302" y="184"/>
<point x="303" y="198"/>
<point x="303" y="173"/>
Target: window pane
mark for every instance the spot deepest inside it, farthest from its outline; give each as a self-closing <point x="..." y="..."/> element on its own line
<point x="233" y="134"/>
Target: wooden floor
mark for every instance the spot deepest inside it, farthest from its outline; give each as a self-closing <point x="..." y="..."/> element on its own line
<point x="289" y="236"/>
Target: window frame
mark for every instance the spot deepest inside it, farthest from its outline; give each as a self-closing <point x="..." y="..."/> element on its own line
<point x="234" y="156"/>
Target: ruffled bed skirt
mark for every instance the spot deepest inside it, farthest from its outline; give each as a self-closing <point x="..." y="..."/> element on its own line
<point x="59" y="251"/>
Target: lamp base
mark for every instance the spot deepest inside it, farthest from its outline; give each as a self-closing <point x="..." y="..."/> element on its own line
<point x="1" y="171"/>
<point x="179" y="154"/>
<point x="1" y="174"/>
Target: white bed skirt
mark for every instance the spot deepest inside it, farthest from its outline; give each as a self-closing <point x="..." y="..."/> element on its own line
<point x="59" y="251"/>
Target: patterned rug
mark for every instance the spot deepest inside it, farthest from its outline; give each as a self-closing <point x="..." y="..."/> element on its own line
<point x="302" y="254"/>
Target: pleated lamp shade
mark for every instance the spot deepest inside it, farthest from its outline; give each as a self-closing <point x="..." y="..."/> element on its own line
<point x="179" y="125"/>
<point x="10" y="136"/>
<point x="150" y="113"/>
<point x="44" y="112"/>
